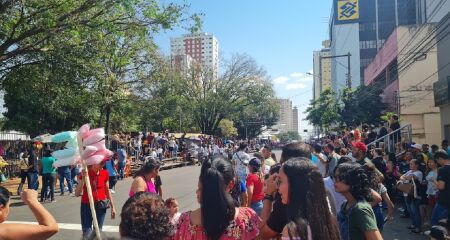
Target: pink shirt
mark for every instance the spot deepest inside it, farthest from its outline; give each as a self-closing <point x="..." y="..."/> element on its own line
<point x="245" y="226"/>
<point x="150" y="187"/>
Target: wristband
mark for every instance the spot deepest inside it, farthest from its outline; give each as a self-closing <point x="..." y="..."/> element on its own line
<point x="268" y="197"/>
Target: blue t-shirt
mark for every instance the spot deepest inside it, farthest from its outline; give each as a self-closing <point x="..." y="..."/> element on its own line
<point x="121" y="155"/>
<point x="110" y="168"/>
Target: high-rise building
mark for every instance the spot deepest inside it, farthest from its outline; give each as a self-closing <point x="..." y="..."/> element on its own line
<point x="288" y="117"/>
<point x="295" y="119"/>
<point x="321" y="69"/>
<point x="284" y="123"/>
<point x="199" y="48"/>
<point x="360" y="28"/>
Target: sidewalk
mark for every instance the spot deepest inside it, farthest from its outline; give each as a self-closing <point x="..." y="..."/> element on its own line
<point x="13" y="183"/>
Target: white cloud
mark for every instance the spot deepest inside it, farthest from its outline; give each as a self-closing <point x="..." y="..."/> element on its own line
<point x="297" y="75"/>
<point x="281" y="80"/>
<point x="306" y="78"/>
<point x="293" y="86"/>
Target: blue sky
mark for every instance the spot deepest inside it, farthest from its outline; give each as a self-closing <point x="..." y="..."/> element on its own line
<point x="280" y="35"/>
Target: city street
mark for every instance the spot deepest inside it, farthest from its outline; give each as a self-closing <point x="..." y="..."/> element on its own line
<point x="179" y="183"/>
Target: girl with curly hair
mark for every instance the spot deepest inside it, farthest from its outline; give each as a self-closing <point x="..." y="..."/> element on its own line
<point x="144" y="216"/>
<point x="356" y="218"/>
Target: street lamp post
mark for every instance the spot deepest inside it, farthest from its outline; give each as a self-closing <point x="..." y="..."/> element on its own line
<point x="349" y="76"/>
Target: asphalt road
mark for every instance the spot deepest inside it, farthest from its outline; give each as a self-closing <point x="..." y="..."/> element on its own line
<point x="179" y="183"/>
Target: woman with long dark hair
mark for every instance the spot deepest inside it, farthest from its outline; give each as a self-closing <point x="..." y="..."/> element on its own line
<point x="143" y="179"/>
<point x="217" y="218"/>
<point x="356" y="218"/>
<point x="303" y="191"/>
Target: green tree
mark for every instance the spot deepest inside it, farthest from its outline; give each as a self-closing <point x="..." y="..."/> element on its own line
<point x="323" y="112"/>
<point x="363" y="105"/>
<point x="227" y="128"/>
<point x="31" y="29"/>
<point x="289" y="136"/>
<point x="212" y="99"/>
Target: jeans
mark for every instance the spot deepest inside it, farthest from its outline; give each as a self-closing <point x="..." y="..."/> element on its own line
<point x="73" y="174"/>
<point x="379" y="217"/>
<point x="86" y="219"/>
<point x="34" y="180"/>
<point x="257" y="206"/>
<point x="121" y="170"/>
<point x="112" y="181"/>
<point x="413" y="208"/>
<point x="439" y="212"/>
<point x="48" y="180"/>
<point x="65" y="174"/>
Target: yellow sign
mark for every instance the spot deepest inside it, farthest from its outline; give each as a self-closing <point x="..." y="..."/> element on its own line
<point x="347" y="10"/>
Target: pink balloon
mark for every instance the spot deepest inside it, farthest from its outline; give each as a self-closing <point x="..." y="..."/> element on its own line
<point x="83" y="130"/>
<point x="99" y="145"/>
<point x="93" y="138"/>
<point x="93" y="132"/>
<point x="88" y="151"/>
<point x="104" y="152"/>
<point x="94" y="159"/>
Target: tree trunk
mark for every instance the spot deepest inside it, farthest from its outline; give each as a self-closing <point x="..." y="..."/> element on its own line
<point x="108" y="113"/>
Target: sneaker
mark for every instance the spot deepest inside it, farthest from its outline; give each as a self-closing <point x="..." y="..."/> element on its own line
<point x="61" y="194"/>
<point x="416" y="230"/>
<point x="112" y="191"/>
<point x="72" y="194"/>
<point x="53" y="201"/>
<point x="411" y="227"/>
<point x="427" y="233"/>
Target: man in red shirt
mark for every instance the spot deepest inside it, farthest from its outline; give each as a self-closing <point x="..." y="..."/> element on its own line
<point x="255" y="184"/>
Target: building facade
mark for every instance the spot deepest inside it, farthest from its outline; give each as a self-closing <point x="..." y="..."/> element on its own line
<point x="321" y="69"/>
<point x="406" y="66"/>
<point x="441" y="88"/>
<point x="199" y="48"/>
<point x="295" y="119"/>
<point x="361" y="28"/>
<point x="285" y="121"/>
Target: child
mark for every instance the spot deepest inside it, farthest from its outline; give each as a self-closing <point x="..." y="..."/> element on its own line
<point x="172" y="205"/>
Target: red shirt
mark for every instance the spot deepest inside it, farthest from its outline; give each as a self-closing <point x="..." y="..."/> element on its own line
<point x="258" y="184"/>
<point x="98" y="185"/>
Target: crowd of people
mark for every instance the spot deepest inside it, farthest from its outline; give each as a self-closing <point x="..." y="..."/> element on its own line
<point x="335" y="188"/>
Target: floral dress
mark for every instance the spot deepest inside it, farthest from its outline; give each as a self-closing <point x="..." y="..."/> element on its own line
<point x="245" y="226"/>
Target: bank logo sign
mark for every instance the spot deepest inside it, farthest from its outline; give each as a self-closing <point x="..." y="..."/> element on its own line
<point x="347" y="10"/>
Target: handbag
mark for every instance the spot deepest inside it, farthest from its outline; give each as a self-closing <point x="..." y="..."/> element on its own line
<point x="407" y="188"/>
<point x="102" y="204"/>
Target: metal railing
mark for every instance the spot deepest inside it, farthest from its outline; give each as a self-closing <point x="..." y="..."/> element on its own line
<point x="395" y="141"/>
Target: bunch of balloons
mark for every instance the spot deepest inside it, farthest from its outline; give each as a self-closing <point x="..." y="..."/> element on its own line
<point x="85" y="144"/>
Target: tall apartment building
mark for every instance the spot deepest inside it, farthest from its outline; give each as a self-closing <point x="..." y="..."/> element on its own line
<point x="201" y="49"/>
<point x="321" y="69"/>
<point x="361" y="28"/>
<point x="295" y="119"/>
<point x="286" y="120"/>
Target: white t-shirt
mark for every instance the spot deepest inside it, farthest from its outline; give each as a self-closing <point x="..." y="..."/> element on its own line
<point x="241" y="159"/>
<point x="153" y="154"/>
<point x="418" y="174"/>
<point x="322" y="166"/>
<point x="339" y="199"/>
<point x="216" y="149"/>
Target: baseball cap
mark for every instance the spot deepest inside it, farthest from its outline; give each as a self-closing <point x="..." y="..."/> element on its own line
<point x="153" y="162"/>
<point x="360" y="145"/>
<point x="417" y="146"/>
<point x="255" y="162"/>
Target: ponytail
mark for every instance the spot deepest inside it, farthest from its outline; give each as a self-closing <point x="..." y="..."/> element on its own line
<point x="217" y="205"/>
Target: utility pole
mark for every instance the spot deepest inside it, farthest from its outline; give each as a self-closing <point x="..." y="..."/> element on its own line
<point x="349" y="69"/>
